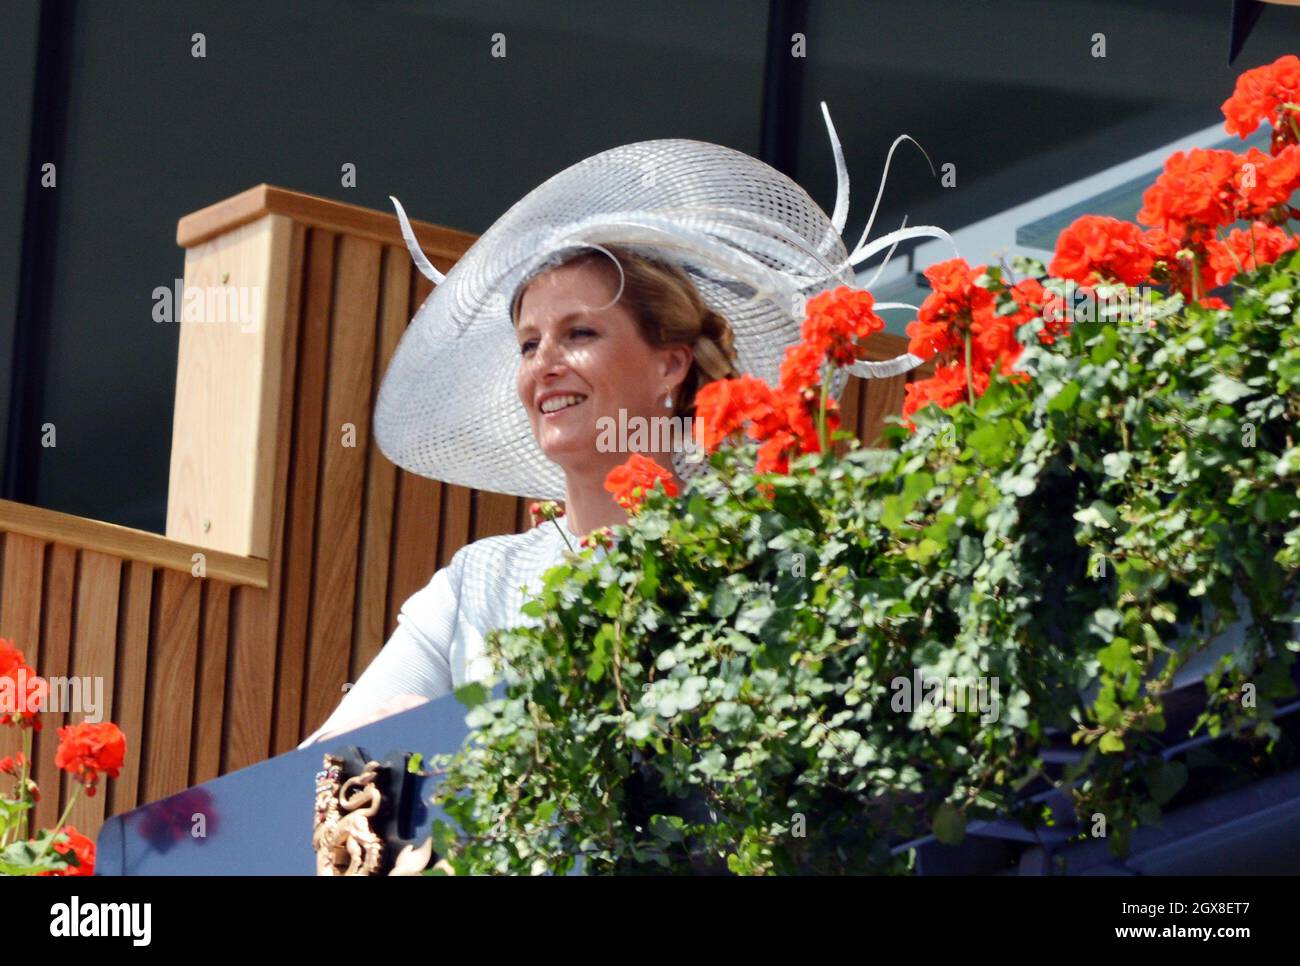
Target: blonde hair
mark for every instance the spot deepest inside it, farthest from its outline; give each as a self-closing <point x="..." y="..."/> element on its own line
<point x="669" y="310"/>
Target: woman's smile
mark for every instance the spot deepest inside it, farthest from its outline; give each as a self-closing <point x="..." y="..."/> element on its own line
<point x="553" y="405"/>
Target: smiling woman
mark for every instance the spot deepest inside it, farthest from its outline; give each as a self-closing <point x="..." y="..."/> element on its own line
<point x="603" y="294"/>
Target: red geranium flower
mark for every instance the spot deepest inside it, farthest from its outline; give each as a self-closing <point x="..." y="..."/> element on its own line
<point x="837" y="319"/>
<point x="1194" y="194"/>
<point x="726" y="405"/>
<point x="1182" y="268"/>
<point x="774" y="454"/>
<point x="11" y="764"/>
<point x="1246" y="250"/>
<point x="945" y="388"/>
<point x="634" y="479"/>
<point x="80" y="846"/>
<point x="801" y="368"/>
<point x="86" y="750"/>
<point x="950" y="310"/>
<point x="1097" y="248"/>
<point x="1263" y="94"/>
<point x="22" y="692"/>
<point x="1264" y="184"/>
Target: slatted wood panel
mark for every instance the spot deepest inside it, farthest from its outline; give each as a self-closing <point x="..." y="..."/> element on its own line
<point x="210" y="674"/>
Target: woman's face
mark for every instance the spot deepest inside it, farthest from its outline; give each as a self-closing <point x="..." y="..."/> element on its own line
<point x="580" y="361"/>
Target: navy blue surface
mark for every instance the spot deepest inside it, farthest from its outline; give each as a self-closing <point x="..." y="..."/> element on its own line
<point x="259" y="819"/>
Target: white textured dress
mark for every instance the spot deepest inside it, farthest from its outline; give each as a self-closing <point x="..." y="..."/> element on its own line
<point x="438" y="643"/>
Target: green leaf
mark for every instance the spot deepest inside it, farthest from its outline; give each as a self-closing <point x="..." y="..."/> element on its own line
<point x="949" y="825"/>
<point x="1117" y="465"/>
<point x="1226" y="389"/>
<point x="1064" y="399"/>
<point x="1098" y="513"/>
<point x="600" y="647"/>
<point x="725" y="601"/>
<point x="990" y="442"/>
<point x="473" y="694"/>
<point x="1166" y="780"/>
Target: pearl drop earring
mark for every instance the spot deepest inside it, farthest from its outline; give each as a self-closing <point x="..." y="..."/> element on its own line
<point x="668" y="401"/>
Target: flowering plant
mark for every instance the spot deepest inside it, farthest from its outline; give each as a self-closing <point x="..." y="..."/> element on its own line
<point x="86" y="751"/>
<point x="1072" y="507"/>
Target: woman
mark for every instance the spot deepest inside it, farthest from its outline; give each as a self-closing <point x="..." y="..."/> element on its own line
<point x="625" y="282"/>
<point x="586" y="351"/>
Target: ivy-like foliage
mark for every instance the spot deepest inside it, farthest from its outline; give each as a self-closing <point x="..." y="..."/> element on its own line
<point x="721" y="691"/>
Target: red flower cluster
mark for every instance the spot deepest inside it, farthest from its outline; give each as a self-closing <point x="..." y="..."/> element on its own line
<point x="1264" y="184"/>
<point x="835" y="321"/>
<point x="784" y="419"/>
<point x="634" y="479"/>
<point x="958" y="309"/>
<point x="1186" y="213"/>
<point x="1267" y="94"/>
<point x="86" y="750"/>
<point x="945" y="388"/>
<point x="1246" y="250"/>
<point x="1193" y="195"/>
<point x="1201" y="190"/>
<point x="961" y="317"/>
<point x="22" y="693"/>
<point x="80" y="846"/>
<point x="1096" y="249"/>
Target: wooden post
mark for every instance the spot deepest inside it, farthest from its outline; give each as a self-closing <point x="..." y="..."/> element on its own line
<point x="231" y="316"/>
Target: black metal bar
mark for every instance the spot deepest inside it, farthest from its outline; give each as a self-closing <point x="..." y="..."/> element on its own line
<point x="36" y="271"/>
<point x="782" y="86"/>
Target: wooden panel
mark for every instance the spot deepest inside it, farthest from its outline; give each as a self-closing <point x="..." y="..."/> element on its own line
<point x="56" y="642"/>
<point x="495" y="514"/>
<point x="371" y="630"/>
<point x="252" y="668"/>
<point x="209" y="704"/>
<point x="20" y="594"/>
<point x="94" y="653"/>
<point x="415" y="538"/>
<point x="884" y="397"/>
<point x="228" y="389"/>
<point x="455" y="530"/>
<point x="345" y="439"/>
<point x="20" y="610"/>
<point x="285" y="736"/>
<point x="132" y="677"/>
<point x="170" y="704"/>
<point x="421" y="507"/>
<point x="300" y="522"/>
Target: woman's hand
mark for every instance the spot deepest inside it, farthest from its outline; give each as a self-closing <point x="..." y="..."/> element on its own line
<point x="403" y="702"/>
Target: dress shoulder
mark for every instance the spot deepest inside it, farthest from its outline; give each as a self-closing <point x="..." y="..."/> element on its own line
<point x="503" y="555"/>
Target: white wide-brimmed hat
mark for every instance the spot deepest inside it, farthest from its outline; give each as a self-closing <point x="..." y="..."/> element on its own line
<point x="751" y="239"/>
